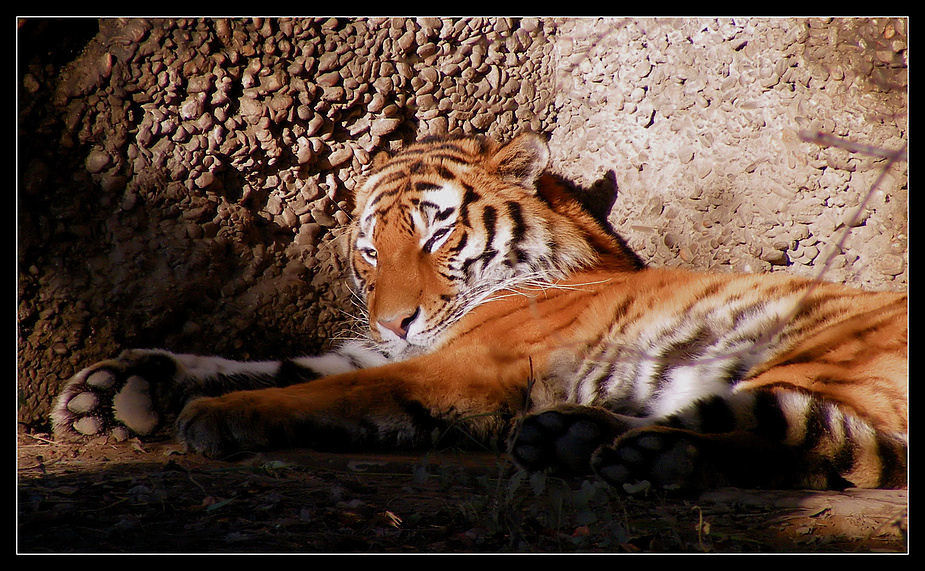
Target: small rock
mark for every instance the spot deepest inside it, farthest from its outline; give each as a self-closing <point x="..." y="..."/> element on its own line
<point x="251" y="109"/>
<point x="340" y="156"/>
<point x="327" y="61"/>
<point x="773" y="256"/>
<point x="304" y="112"/>
<point x="191" y="108"/>
<point x="377" y="103"/>
<point x="199" y="84"/>
<point x="272" y="82"/>
<point x="205" y="180"/>
<point x="304" y="153"/>
<point x="314" y="125"/>
<point x="890" y="264"/>
<point x="333" y="94"/>
<point x="31" y="83"/>
<point x="384" y="126"/>
<point x="322" y="218"/>
<point x="98" y="160"/>
<point x="328" y="79"/>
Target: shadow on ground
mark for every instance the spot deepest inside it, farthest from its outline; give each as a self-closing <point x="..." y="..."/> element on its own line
<point x="139" y="497"/>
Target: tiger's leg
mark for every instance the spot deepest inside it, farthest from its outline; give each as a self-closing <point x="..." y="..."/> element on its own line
<point x="399" y="405"/>
<point x="794" y="440"/>
<point x="141" y="391"/>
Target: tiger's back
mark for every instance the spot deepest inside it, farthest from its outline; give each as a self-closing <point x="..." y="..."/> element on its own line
<point x="815" y="370"/>
<point x="494" y="301"/>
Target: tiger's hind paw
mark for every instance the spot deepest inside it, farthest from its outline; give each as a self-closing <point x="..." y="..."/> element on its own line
<point x="113" y="398"/>
<point x="666" y="458"/>
<point x="563" y="439"/>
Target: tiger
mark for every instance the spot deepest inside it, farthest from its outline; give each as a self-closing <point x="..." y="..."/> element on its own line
<point x="498" y="307"/>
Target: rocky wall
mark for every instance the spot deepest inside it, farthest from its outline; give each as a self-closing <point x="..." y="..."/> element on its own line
<point x="185" y="183"/>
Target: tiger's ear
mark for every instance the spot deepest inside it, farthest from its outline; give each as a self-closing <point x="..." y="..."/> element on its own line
<point x="522" y="160"/>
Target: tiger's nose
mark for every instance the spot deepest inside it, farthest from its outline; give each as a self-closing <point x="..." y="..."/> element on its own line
<point x="399" y="325"/>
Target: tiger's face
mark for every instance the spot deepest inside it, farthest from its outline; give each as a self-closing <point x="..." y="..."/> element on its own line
<point x="446" y="223"/>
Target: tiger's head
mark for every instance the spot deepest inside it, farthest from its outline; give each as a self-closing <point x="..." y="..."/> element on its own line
<point x="445" y="223"/>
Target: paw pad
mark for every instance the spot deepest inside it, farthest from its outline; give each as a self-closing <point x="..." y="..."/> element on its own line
<point x="133" y="407"/>
<point x="663" y="458"/>
<point x="97" y="401"/>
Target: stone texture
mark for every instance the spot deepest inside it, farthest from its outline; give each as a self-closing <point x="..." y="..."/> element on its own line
<point x="200" y="171"/>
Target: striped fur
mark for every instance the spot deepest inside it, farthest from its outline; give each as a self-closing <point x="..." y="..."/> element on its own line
<point x="494" y="302"/>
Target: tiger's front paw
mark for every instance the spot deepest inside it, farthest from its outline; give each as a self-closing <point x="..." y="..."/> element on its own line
<point x="666" y="458"/>
<point x="219" y="426"/>
<point x="120" y="397"/>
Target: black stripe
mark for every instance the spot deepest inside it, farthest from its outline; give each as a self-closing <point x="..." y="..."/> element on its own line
<point x="709" y="291"/>
<point x="893" y="462"/>
<point x="439" y="215"/>
<point x="772" y="424"/>
<point x="715" y="415"/>
<point x="844" y="458"/>
<point x="489" y="219"/>
<point x="419" y="162"/>
<point x="429" y="244"/>
<point x="682" y="353"/>
<point x="485" y="257"/>
<point x="463" y="239"/>
<point x="445" y="213"/>
<point x="450" y="157"/>
<point x="601" y="386"/>
<point x="430" y="146"/>
<point x="444" y="172"/>
<point x="291" y="373"/>
<point x="382" y="195"/>
<point x="353" y="360"/>
<point x="516" y="213"/>
<point x="469" y="196"/>
<point x="409" y="226"/>
<point x="816" y="426"/>
<point x="424" y="186"/>
<point x="391" y="177"/>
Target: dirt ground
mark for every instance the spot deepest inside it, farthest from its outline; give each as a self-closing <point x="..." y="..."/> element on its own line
<point x="150" y="497"/>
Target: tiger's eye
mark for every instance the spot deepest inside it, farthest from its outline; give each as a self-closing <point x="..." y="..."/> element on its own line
<point x="369" y="254"/>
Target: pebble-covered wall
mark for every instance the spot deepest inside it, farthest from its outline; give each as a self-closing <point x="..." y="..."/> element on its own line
<point x="185" y="183"/>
